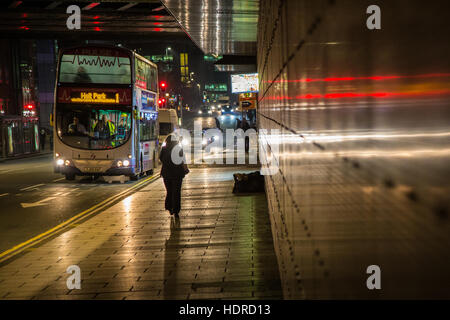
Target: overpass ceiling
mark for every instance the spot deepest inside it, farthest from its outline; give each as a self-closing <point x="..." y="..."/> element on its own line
<point x="116" y="19"/>
<point x="222" y="27"/>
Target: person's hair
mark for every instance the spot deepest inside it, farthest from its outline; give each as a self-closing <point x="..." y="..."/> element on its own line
<point x="171" y="141"/>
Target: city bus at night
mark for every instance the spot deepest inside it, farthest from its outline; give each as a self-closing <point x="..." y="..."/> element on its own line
<point x="105" y="113"/>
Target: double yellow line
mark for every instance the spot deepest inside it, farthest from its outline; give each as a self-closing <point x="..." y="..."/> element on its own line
<point x="5" y="255"/>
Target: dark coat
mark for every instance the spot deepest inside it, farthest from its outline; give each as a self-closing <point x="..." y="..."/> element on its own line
<point x="169" y="169"/>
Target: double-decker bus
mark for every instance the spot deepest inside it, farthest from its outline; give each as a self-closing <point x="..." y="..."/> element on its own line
<point x="105" y="113"/>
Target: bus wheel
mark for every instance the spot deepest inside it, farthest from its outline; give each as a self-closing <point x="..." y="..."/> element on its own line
<point x="70" y="176"/>
<point x="149" y="172"/>
<point x="134" y="177"/>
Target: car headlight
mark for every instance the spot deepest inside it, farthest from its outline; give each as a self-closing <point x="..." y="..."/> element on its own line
<point x="67" y="162"/>
<point x="200" y="112"/>
<point x="60" y="162"/>
<point x="129" y="156"/>
<point x="204" y="141"/>
<point x="184" y="142"/>
<point x="119" y="163"/>
<point x="210" y="112"/>
<point x="232" y="116"/>
<point x="57" y="155"/>
<point x="216" y="138"/>
<point x="163" y="144"/>
<point x="126" y="163"/>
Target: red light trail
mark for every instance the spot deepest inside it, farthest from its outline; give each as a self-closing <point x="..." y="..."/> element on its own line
<point x="376" y="78"/>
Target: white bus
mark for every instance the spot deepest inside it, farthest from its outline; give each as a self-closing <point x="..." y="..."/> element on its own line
<point x="167" y="123"/>
<point x="105" y="113"/>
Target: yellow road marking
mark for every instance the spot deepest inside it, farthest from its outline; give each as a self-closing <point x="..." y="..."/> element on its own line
<point x="22" y="246"/>
<point x="30" y="187"/>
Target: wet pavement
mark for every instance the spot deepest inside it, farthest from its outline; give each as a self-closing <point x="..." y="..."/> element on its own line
<point x="221" y="247"/>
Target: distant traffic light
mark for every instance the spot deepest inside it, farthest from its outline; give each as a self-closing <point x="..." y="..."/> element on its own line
<point x="163" y="85"/>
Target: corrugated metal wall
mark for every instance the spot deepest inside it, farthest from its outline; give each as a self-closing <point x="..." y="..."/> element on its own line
<point x="365" y="145"/>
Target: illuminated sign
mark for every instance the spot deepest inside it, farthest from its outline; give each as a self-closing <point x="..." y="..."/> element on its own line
<point x="94" y="97"/>
<point x="148" y="100"/>
<point x="244" y="83"/>
<point x="159" y="58"/>
<point x="212" y="58"/>
<point x="216" y="87"/>
<point x="247" y="96"/>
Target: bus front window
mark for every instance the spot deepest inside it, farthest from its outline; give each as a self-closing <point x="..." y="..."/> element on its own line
<point x="94" y="129"/>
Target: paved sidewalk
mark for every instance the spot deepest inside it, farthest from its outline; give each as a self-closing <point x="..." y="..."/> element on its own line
<point x="220" y="248"/>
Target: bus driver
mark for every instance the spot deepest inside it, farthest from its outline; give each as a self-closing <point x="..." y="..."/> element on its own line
<point x="77" y="127"/>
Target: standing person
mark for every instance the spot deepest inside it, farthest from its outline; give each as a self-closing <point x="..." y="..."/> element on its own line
<point x="245" y="126"/>
<point x="172" y="174"/>
<point x="42" y="136"/>
<point x="218" y="124"/>
<point x="105" y="128"/>
<point x="238" y="123"/>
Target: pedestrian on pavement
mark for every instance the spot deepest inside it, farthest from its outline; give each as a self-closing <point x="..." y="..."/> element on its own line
<point x="245" y="126"/>
<point x="42" y="136"/>
<point x="218" y="124"/>
<point x="172" y="174"/>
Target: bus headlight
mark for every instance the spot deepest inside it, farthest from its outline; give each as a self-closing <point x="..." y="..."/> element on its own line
<point x="59" y="162"/>
<point x="126" y="163"/>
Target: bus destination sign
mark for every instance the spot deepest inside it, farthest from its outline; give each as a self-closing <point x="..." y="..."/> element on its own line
<point x="94" y="96"/>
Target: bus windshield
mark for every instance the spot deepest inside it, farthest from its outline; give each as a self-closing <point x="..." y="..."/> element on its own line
<point x="165" y="128"/>
<point x="76" y="67"/>
<point x="93" y="127"/>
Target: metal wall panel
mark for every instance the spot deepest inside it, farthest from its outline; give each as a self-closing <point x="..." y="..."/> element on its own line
<point x="364" y="152"/>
